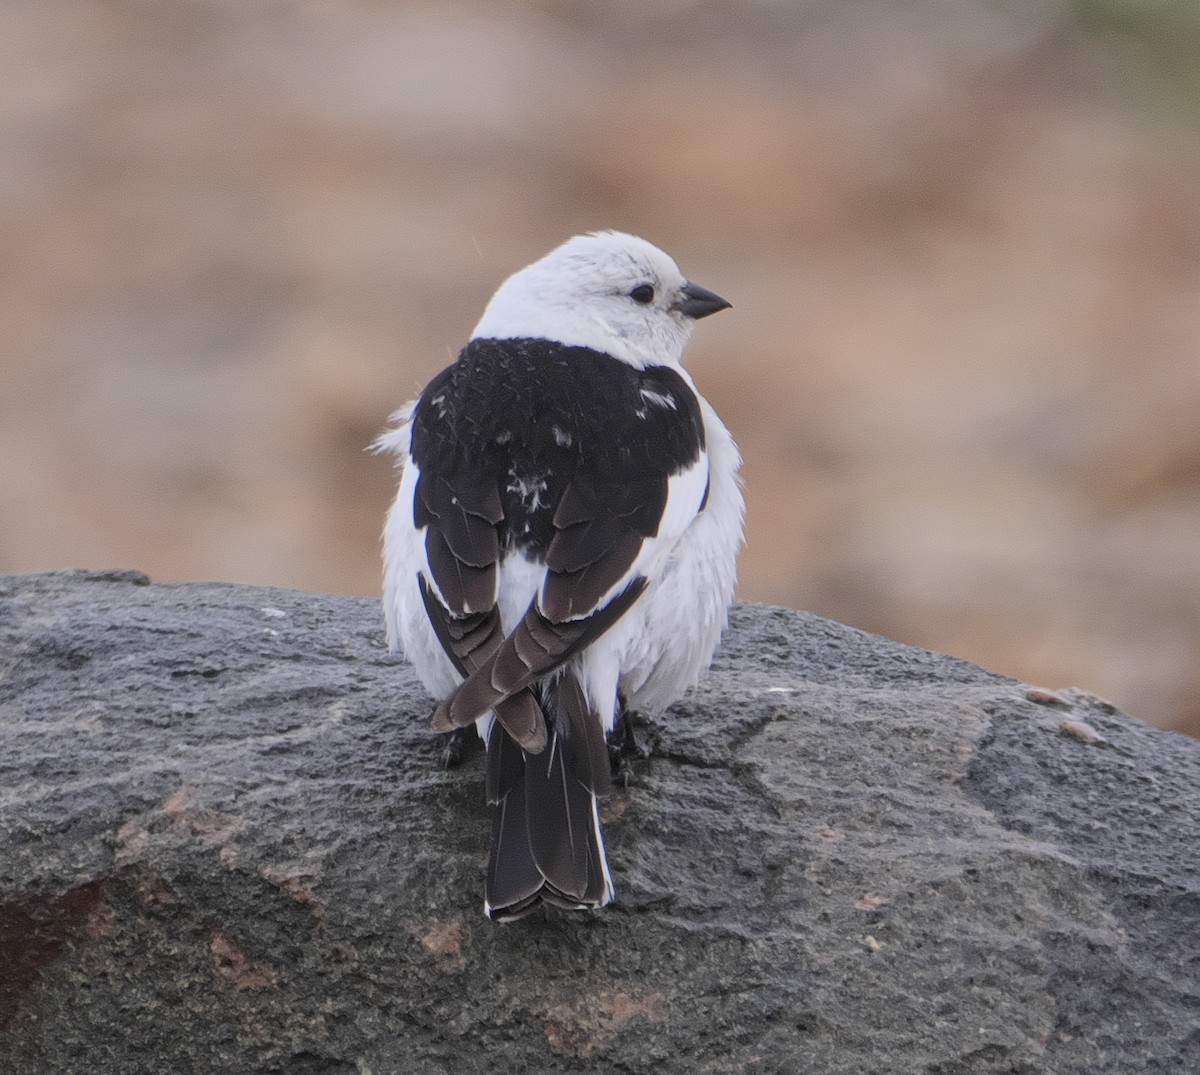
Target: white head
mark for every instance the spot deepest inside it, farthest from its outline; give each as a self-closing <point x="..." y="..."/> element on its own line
<point x="609" y="291"/>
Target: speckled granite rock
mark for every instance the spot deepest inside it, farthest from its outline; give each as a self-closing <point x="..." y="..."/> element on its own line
<point x="226" y="846"/>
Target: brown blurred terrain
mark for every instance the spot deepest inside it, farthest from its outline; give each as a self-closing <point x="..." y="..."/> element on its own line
<point x="962" y="241"/>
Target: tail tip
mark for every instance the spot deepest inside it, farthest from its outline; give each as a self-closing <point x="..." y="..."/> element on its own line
<point x="546" y="896"/>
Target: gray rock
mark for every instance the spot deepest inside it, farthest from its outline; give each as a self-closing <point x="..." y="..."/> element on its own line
<point x="226" y="845"/>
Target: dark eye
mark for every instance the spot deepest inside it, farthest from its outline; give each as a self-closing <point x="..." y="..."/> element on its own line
<point x="643" y="294"/>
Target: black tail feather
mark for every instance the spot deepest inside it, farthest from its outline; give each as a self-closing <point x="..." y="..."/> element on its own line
<point x="547" y="843"/>
<point x="583" y="743"/>
<point x="513" y="879"/>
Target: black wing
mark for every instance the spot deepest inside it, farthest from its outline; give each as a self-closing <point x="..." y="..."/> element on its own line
<point x="569" y="457"/>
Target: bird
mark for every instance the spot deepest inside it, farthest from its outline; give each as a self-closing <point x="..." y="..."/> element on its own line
<point x="562" y="549"/>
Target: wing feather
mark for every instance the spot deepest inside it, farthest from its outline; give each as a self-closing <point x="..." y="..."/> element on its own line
<point x="546" y="646"/>
<point x="462" y="544"/>
<point x="469" y="641"/>
<point x="617" y="511"/>
<point x="466" y="512"/>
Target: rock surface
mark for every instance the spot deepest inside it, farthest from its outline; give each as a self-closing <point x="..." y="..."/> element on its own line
<point x="226" y="846"/>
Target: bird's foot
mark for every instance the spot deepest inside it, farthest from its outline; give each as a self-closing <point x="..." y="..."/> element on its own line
<point x="456" y="746"/>
<point x="624" y="748"/>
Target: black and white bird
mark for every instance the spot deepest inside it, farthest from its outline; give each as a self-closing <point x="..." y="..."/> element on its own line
<point x="563" y="544"/>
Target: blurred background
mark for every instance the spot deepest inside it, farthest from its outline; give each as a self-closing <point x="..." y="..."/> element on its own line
<point x="962" y="240"/>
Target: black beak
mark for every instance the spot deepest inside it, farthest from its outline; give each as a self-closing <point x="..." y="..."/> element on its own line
<point x="696" y="301"/>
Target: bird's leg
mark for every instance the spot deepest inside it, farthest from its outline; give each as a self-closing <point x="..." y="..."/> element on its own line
<point x="623" y="746"/>
<point x="456" y="745"/>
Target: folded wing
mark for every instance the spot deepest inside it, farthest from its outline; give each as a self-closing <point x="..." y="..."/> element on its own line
<point x="607" y="538"/>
